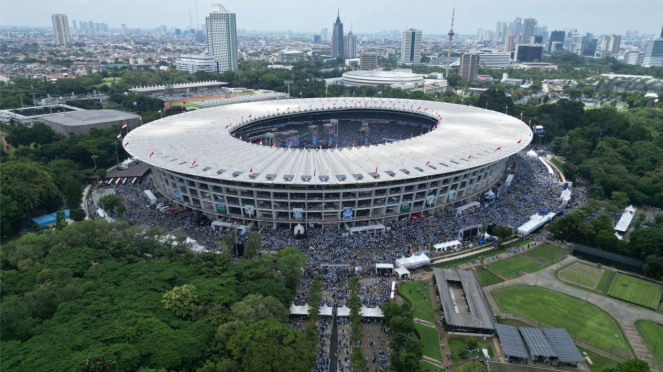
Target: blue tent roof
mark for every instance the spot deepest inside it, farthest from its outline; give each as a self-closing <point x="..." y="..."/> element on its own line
<point x="48" y="219"/>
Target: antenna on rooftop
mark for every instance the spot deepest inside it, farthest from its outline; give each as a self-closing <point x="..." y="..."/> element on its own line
<point x="451" y="36"/>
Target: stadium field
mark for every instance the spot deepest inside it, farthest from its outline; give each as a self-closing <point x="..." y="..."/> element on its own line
<point x="637" y="291"/>
<point x="514" y="266"/>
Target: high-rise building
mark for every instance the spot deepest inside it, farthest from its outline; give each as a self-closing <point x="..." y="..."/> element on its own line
<point x="498" y="31"/>
<point x="73" y="23"/>
<point x="368" y="61"/>
<point x="91" y="25"/>
<point x="661" y="32"/>
<point x="350" y="45"/>
<point x="493" y="59"/>
<point x="610" y="45"/>
<point x="517" y="26"/>
<point x="519" y="39"/>
<point x="653" y="53"/>
<point x="124" y="29"/>
<point x="324" y="35"/>
<point x="337" y="49"/>
<point x="556" y="36"/>
<point x="589" y="47"/>
<point x="221" y="28"/>
<point x="528" y="30"/>
<point x="480" y="34"/>
<point x="537" y="39"/>
<point x="61" y="29"/>
<point x="411" y="46"/>
<point x="508" y="43"/>
<point x="528" y="53"/>
<point x="504" y="32"/>
<point x="469" y="67"/>
<point x="317" y="39"/>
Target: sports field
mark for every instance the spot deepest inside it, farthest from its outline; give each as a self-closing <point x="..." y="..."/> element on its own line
<point x="553" y="309"/>
<point x="654" y="338"/>
<point x="528" y="262"/>
<point x="431" y="341"/>
<point x="637" y="291"/>
<point x="422" y="307"/>
<point x="581" y="274"/>
<point x="487" y="278"/>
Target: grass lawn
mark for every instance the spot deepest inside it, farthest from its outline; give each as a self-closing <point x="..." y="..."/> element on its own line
<point x="512" y="267"/>
<point x="456" y="345"/>
<point x="654" y="335"/>
<point x="431" y="341"/>
<point x="487" y="278"/>
<point x="547" y="254"/>
<point x="478" y="256"/>
<point x="599" y="363"/>
<point x="582" y="275"/>
<point x="582" y="320"/>
<point x="422" y="308"/>
<point x="556" y="162"/>
<point x="429" y="367"/>
<point x="637" y="291"/>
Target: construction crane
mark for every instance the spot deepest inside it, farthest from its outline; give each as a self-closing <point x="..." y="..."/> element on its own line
<point x="451" y="35"/>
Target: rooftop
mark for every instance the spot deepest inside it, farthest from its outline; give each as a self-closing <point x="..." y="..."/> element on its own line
<point x="88" y="117"/>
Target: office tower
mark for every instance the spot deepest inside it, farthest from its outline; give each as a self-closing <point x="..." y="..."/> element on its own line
<point x="469" y="67"/>
<point x="124" y="29"/>
<point x="323" y="35"/>
<point x="537" y="39"/>
<point x="338" y="48"/>
<point x="350" y="45"/>
<point x="528" y="30"/>
<point x="193" y="63"/>
<point x="221" y="28"/>
<point x="588" y="47"/>
<point x="487" y="35"/>
<point x="661" y="32"/>
<point x="653" y="53"/>
<point x="480" y="34"/>
<point x="317" y="39"/>
<point x="528" y="53"/>
<point x="73" y="23"/>
<point x="411" y="46"/>
<point x="504" y="32"/>
<point x="368" y="61"/>
<point x="498" y="31"/>
<point x="493" y="59"/>
<point x="610" y="45"/>
<point x="519" y="39"/>
<point x="90" y="25"/>
<point x="632" y="33"/>
<point x="517" y="26"/>
<point x="556" y="36"/>
<point x="634" y="58"/>
<point x="544" y="32"/>
<point x="508" y="43"/>
<point x="61" y="29"/>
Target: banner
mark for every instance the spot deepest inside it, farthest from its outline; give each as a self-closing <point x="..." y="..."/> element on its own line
<point x="347" y="213"/>
<point x="249" y="209"/>
<point x="430" y="199"/>
<point x="405" y="205"/>
<point x="221" y="206"/>
<point x="178" y="197"/>
<point x="299" y="212"/>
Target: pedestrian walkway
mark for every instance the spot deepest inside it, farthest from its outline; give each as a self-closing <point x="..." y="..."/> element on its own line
<point x="639" y="346"/>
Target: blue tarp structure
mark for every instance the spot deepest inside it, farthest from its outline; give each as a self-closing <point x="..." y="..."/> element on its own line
<point x="48" y="219"/>
<point x="544" y="210"/>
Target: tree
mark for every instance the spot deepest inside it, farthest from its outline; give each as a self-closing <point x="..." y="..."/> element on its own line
<point x="253" y="245"/>
<point x="401" y="324"/>
<point x="112" y="203"/>
<point x="315" y="298"/>
<point x="72" y="191"/>
<point x="101" y="173"/>
<point x="358" y="361"/>
<point x="181" y="300"/>
<point x="632" y="365"/>
<point x="471" y="344"/>
<point x="60" y="222"/>
<point x="31" y="201"/>
<point x="254" y="308"/>
<point x="503" y="233"/>
<point x="77" y="214"/>
<point x="291" y="263"/>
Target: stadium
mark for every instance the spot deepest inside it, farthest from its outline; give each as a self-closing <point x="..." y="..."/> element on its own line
<point x="337" y="162"/>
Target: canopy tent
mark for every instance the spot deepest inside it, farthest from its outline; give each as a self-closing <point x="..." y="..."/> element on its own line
<point x="379" y="227"/>
<point x="195" y="246"/>
<point x="532" y="154"/>
<point x="383" y="266"/>
<point x="565" y="197"/>
<point x="460" y="209"/>
<point x="452" y="245"/>
<point x="509" y="179"/>
<point x="625" y="220"/>
<point x="535" y="221"/>
<point x="299" y="310"/>
<point x="550" y="170"/>
<point x="326" y="310"/>
<point x="48" y="219"/>
<point x="371" y="312"/>
<point x="402" y="271"/>
<point x="343" y="311"/>
<point x="241" y="228"/>
<point x="413" y="262"/>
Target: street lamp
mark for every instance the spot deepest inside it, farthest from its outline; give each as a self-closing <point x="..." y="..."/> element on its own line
<point x="94" y="157"/>
<point x="116" y="156"/>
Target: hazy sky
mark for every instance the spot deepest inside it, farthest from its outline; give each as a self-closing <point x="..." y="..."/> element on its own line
<point x="366" y="16"/>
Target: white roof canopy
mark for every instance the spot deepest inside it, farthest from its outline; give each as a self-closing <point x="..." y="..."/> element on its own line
<point x="625" y="220"/>
<point x="384" y="266"/>
<point x="343" y="311"/>
<point x="402" y="271"/>
<point x="534" y="223"/>
<point x="446" y="245"/>
<point x="371" y="312"/>
<point x="326" y="310"/>
<point x="413" y="261"/>
<point x="299" y="310"/>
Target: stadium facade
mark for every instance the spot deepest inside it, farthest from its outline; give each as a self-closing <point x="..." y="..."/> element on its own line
<point x="238" y="163"/>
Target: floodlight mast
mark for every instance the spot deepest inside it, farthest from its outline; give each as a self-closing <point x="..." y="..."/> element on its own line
<point x="451" y="35"/>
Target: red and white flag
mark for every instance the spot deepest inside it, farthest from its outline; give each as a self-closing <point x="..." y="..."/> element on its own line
<point x="227" y="97"/>
<point x="499" y="148"/>
<point x="379" y="92"/>
<point x="124" y="125"/>
<point x="277" y="109"/>
<point x="419" y="108"/>
<point x="203" y="101"/>
<point x="193" y="164"/>
<point x="140" y="117"/>
<point x="519" y="141"/>
<point x="353" y="145"/>
<point x="119" y="135"/>
<point x="428" y="162"/>
<point x="260" y="142"/>
<point x="288" y="108"/>
<point x="274" y="144"/>
<point x="298" y="107"/>
<point x="426" y="109"/>
<point x="126" y="144"/>
<point x="521" y="113"/>
<point x="183" y="101"/>
<point x="469" y="157"/>
<point x="249" y="115"/>
<point x="240" y="136"/>
<point x="376" y="170"/>
<point x="227" y="126"/>
<point x="314" y="173"/>
<point x="151" y="155"/>
<point x="251" y="171"/>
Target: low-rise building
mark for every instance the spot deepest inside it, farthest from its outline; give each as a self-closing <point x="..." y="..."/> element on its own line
<point x="80" y="122"/>
<point x="193" y="63"/>
<point x="291" y="56"/>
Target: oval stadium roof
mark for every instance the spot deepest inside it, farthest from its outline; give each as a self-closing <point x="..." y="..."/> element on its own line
<point x="466" y="137"/>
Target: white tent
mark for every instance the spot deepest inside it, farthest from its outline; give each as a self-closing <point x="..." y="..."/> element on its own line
<point x="413" y="262"/>
<point x="195" y="246"/>
<point x="343" y="311"/>
<point x="490" y="195"/>
<point x="532" y="154"/>
<point x="240" y="228"/>
<point x="383" y="266"/>
<point x="535" y="221"/>
<point x="550" y="170"/>
<point x="371" y="312"/>
<point x="625" y="220"/>
<point x="326" y="310"/>
<point x="402" y="271"/>
<point x="446" y="246"/>
<point x="460" y="209"/>
<point x="379" y="227"/>
<point x="509" y="179"/>
<point x="299" y="310"/>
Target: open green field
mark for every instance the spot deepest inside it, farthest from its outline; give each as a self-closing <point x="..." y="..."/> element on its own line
<point x="422" y="307"/>
<point x="599" y="363"/>
<point x="429" y="367"/>
<point x="581" y="319"/>
<point x="637" y="291"/>
<point x="487" y="278"/>
<point x="457" y="344"/>
<point x="529" y="262"/>
<point x="478" y="256"/>
<point x="582" y="275"/>
<point x="653" y="333"/>
<point x="431" y="341"/>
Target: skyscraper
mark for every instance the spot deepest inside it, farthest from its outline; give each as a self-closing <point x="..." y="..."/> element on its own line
<point x="653" y="53"/>
<point x="73" y="23"/>
<point x="61" y="29"/>
<point x="469" y="67"/>
<point x="324" y="35"/>
<point x="222" y="37"/>
<point x="589" y="47"/>
<point x="411" y="46"/>
<point x="517" y="26"/>
<point x="508" y="43"/>
<point x="350" y="45"/>
<point x="337" y="49"/>
<point x="661" y="32"/>
<point x="610" y="45"/>
<point x="528" y="30"/>
<point x="556" y="36"/>
<point x="498" y="31"/>
<point x="124" y="29"/>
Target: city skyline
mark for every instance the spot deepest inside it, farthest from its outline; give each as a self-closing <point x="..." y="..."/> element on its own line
<point x="589" y="16"/>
